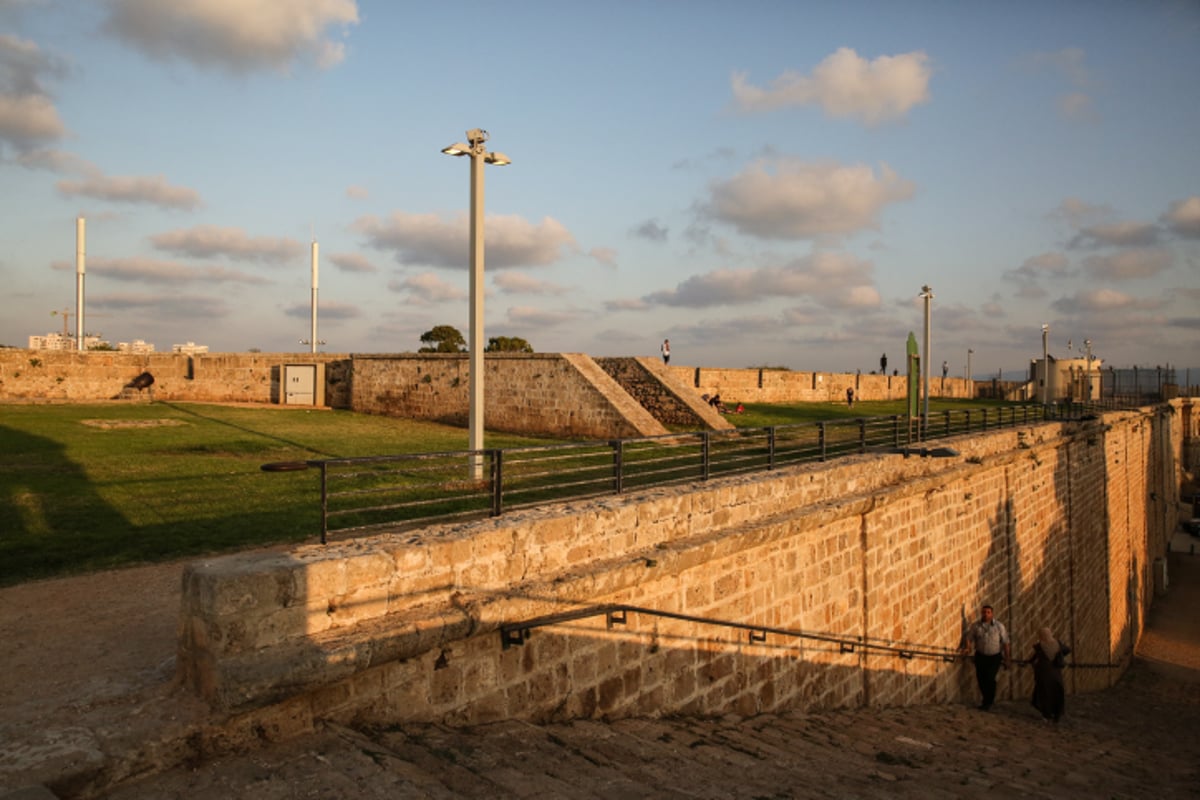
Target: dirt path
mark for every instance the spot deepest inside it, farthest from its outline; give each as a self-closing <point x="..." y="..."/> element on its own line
<point x="87" y="663"/>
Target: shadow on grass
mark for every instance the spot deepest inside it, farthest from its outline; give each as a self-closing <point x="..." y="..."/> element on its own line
<point x="217" y="421"/>
<point x="50" y="516"/>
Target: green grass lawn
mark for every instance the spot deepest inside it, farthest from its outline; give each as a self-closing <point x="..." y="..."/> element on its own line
<point x="93" y="486"/>
<point x="87" y="487"/>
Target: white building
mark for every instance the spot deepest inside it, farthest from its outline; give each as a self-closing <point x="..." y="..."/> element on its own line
<point x="1074" y="379"/>
<point x="57" y="341"/>
<point x="191" y="348"/>
<point x="136" y="346"/>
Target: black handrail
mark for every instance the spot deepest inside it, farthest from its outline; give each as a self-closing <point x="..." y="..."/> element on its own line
<point x="514" y="634"/>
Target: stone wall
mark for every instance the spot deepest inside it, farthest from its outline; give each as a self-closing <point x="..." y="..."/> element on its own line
<point x="47" y="375"/>
<point x="784" y="386"/>
<point x="1055" y="524"/>
<point x="563" y="394"/>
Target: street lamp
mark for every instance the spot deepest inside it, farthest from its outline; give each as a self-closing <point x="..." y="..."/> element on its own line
<point x="1087" y="391"/>
<point x="927" y="294"/>
<point x="970" y="352"/>
<point x="1045" y="366"/>
<point x="476" y="137"/>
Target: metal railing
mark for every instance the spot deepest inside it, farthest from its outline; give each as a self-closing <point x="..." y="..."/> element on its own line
<point x="515" y="634"/>
<point x="365" y="493"/>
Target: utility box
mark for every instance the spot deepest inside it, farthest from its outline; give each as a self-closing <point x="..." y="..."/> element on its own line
<point x="304" y="384"/>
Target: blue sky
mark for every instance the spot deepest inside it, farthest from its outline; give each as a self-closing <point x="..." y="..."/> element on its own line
<point x="765" y="183"/>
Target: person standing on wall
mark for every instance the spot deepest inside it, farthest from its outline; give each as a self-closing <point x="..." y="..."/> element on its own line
<point x="666" y="351"/>
<point x="883" y="364"/>
<point x="989" y="640"/>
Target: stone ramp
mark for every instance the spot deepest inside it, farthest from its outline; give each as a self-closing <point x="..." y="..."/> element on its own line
<point x="1137" y="739"/>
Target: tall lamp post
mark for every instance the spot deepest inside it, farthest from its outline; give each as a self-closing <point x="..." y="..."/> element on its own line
<point x="970" y="353"/>
<point x="927" y="294"/>
<point x="476" y="137"/>
<point x="1045" y="365"/>
<point x="1087" y="391"/>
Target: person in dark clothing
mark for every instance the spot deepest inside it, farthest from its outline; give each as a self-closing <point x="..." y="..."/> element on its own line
<point x="1047" y="660"/>
<point x="989" y="640"/>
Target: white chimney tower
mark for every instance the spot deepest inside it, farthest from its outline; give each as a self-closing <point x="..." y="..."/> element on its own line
<point x="80" y="265"/>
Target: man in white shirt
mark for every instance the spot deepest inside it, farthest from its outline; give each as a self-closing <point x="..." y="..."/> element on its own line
<point x="989" y="640"/>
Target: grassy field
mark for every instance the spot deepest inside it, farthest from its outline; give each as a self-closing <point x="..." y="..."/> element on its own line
<point x="94" y="486"/>
<point x="87" y="487"/>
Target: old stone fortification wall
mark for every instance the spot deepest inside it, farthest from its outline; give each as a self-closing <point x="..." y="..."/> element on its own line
<point x="1057" y="524"/>
<point x="781" y="386"/>
<point x="565" y="394"/>
<point x="41" y="375"/>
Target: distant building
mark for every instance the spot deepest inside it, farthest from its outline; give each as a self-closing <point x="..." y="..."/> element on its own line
<point x="57" y="341"/>
<point x="1075" y="379"/>
<point x="191" y="348"/>
<point x="136" y="346"/>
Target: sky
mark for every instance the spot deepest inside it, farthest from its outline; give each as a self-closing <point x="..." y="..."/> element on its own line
<point x="763" y="183"/>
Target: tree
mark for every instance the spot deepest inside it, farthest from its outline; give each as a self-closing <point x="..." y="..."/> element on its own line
<point x="443" y="339"/>
<point x="507" y="344"/>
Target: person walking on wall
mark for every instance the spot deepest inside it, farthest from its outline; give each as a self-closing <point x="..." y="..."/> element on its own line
<point x="883" y="364"/>
<point x="988" y="639"/>
<point x="1047" y="660"/>
<point x="666" y="351"/>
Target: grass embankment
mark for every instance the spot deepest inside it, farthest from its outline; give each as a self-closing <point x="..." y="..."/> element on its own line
<point x="87" y="487"/>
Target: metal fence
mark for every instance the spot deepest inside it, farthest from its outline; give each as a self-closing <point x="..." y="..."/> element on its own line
<point x="365" y="493"/>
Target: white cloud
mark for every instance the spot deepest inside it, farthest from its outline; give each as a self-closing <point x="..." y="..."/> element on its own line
<point x="173" y="306"/>
<point x="357" y="192"/>
<point x="627" y="304"/>
<point x="792" y="199"/>
<point x="520" y="283"/>
<point x="527" y="317"/>
<point x="836" y="280"/>
<point x="427" y="288"/>
<point x="1075" y="105"/>
<point x="352" y="262"/>
<point x="152" y="189"/>
<point x="846" y="85"/>
<point x="1117" y="234"/>
<point x="1049" y="265"/>
<point x="326" y="310"/>
<point x="237" y="35"/>
<point x="28" y="117"/>
<point x="1069" y="65"/>
<point x="148" y="189"/>
<point x="430" y="240"/>
<point x="1079" y="214"/>
<point x="1128" y="265"/>
<point x="1100" y="300"/>
<point x="211" y="241"/>
<point x="604" y="255"/>
<point x="1184" y="218"/>
<point x="151" y="270"/>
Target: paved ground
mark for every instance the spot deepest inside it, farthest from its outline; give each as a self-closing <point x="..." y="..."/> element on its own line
<point x="77" y="688"/>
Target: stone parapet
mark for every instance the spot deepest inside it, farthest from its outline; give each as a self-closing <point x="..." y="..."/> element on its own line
<point x="877" y="548"/>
